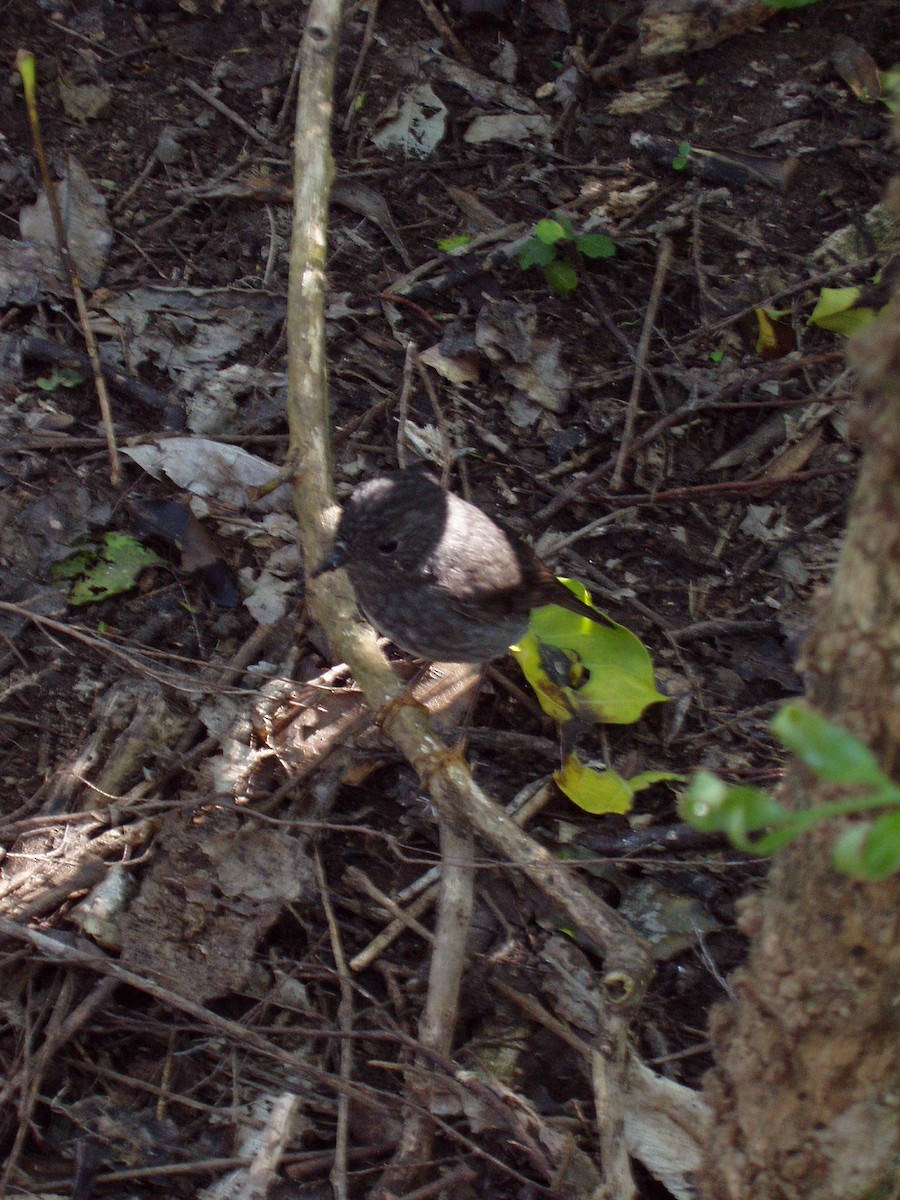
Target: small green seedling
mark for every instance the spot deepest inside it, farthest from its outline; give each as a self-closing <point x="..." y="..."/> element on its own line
<point x="454" y="242"/>
<point x="755" y="822"/>
<point x="680" y="161"/>
<point x="557" y="249"/>
<point x="60" y="377"/>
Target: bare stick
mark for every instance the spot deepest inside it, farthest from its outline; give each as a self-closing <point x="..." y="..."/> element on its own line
<point x="438" y="1021"/>
<point x="233" y="117"/>
<point x="25" y="67"/>
<point x="627" y="965"/>
<point x="433" y="14"/>
<point x="663" y="262"/>
<point x="368" y="39"/>
<point x="403" y="406"/>
<point x="345" y="1023"/>
<point x="443" y="427"/>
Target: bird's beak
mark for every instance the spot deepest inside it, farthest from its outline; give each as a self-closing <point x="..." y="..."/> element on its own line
<point x="335" y="559"/>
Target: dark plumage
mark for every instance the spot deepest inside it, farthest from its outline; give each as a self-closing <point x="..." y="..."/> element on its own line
<point x="437" y="575"/>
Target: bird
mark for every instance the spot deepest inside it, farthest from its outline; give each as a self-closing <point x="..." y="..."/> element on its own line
<point x="438" y="576"/>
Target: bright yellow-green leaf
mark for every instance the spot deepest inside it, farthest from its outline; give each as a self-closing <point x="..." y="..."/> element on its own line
<point x="836" y="311"/>
<point x="603" y="791"/>
<point x="594" y="791"/>
<point x="455" y="242"/>
<point x="645" y="779"/>
<point x="550" y="232"/>
<point x="580" y="668"/>
<point x="766" y="338"/>
<point x="595" y="245"/>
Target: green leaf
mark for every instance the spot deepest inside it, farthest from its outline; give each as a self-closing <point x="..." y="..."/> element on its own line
<point x="788" y="3"/>
<point x="680" y="161"/>
<point x="847" y="851"/>
<point x="836" y="311"/>
<point x="881" y="856"/>
<point x="579" y="668"/>
<point x="60" y="377"/>
<point x="596" y="245"/>
<point x="603" y="791"/>
<point x="890" y="88"/>
<point x="645" y="779"/>
<point x="535" y="254"/>
<point x="713" y="806"/>
<point x="594" y="791"/>
<point x="455" y="242"/>
<point x="550" y="232"/>
<point x="561" y="276"/>
<point x="109" y="570"/>
<point x="828" y="749"/>
<point x="870" y="850"/>
<point x="74" y="565"/>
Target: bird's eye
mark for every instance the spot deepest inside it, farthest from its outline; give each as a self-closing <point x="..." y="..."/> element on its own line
<point x="388" y="546"/>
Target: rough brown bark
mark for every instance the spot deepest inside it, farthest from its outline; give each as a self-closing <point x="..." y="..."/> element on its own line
<point x="806" y="1089"/>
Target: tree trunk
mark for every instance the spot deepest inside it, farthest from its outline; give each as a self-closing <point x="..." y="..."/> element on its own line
<point x="805" y="1092"/>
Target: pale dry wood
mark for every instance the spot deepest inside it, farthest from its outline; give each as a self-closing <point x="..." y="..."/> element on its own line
<point x="345" y="1024"/>
<point x="457" y="797"/>
<point x="463" y="808"/>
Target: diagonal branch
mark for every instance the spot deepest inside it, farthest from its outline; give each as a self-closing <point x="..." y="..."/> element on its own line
<point x="458" y="799"/>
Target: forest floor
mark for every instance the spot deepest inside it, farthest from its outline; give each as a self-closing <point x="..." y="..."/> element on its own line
<point x="671" y="431"/>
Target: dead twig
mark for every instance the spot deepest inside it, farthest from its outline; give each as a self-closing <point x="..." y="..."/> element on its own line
<point x="25" y="66"/>
<point x="443" y="427"/>
<point x="407" y="918"/>
<point x="391" y="932"/>
<point x="663" y="262"/>
<point x="403" y="403"/>
<point x="812" y="281"/>
<point x="734" y="487"/>
<point x="433" y="14"/>
<point x="353" y="87"/>
<point x="438" y="1022"/>
<point x="53" y="950"/>
<point x="42" y="350"/>
<point x="690" y="410"/>
<point x="61" y="1028"/>
<point x="345" y="1024"/>
<point x="233" y="117"/>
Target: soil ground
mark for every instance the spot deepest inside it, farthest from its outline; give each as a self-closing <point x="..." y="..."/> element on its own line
<point x="723" y="526"/>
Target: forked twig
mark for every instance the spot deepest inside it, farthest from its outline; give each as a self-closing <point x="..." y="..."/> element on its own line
<point x="460" y="803"/>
